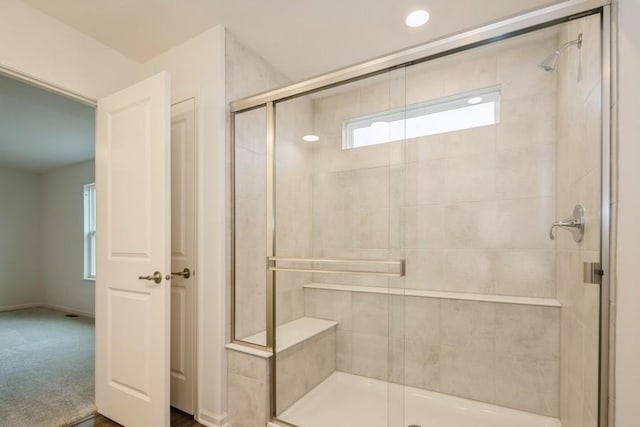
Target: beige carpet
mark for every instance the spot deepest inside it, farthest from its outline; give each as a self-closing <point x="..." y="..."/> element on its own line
<point x="46" y="368"/>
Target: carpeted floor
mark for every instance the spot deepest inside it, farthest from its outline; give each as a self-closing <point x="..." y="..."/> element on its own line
<point x="46" y="368"/>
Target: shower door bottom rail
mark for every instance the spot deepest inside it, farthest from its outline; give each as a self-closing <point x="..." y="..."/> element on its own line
<point x="399" y="265"/>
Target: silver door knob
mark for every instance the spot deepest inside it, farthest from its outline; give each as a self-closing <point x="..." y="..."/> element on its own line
<point x="186" y="273"/>
<point x="156" y="277"/>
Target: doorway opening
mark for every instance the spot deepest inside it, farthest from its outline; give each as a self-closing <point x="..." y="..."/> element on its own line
<point x="48" y="258"/>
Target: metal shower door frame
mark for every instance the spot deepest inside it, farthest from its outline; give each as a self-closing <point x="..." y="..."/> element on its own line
<point x="507" y="28"/>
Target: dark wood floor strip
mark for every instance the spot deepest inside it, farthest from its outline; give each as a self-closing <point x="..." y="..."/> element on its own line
<point x="178" y="419"/>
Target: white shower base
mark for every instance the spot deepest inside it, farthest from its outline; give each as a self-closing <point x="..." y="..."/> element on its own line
<point x="345" y="400"/>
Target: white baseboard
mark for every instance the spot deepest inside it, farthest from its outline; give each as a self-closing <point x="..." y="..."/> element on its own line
<point x="51" y="306"/>
<point x="19" y="307"/>
<point x="68" y="310"/>
<point x="210" y="419"/>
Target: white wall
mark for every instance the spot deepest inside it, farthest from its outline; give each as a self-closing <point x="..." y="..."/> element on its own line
<point x="197" y="70"/>
<point x="19" y="238"/>
<point x="42" y="47"/>
<point x="628" y="287"/>
<point x="62" y="239"/>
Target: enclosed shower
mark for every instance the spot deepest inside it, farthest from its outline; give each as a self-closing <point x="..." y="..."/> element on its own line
<point x="392" y="261"/>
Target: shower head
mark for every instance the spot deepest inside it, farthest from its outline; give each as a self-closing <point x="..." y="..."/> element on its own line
<point x="551" y="62"/>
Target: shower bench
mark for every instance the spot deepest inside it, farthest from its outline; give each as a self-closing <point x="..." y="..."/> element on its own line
<point x="305" y="353"/>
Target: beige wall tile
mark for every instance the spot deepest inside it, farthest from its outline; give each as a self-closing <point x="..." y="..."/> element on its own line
<point x="344" y="351"/>
<point x="370" y="356"/>
<point x="370" y="314"/>
<point x="424" y="227"/>
<point x="471" y="178"/>
<point x="527" y="384"/>
<point x="246" y="401"/>
<point x="422" y="319"/>
<point x="330" y="305"/>
<point x="527" y="172"/>
<point x="527" y="331"/>
<point x="468" y="372"/>
<point x="526" y="273"/>
<point x="246" y="365"/>
<point x="425" y="269"/>
<point x="471" y="225"/>
<point x="468" y="323"/>
<point x="470" y="271"/>
<point x="422" y="364"/>
<point x="524" y="223"/>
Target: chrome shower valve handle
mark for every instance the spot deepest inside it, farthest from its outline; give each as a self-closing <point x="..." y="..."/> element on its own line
<point x="574" y="223"/>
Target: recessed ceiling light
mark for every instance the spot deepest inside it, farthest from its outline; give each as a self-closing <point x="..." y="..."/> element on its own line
<point x="475" y="100"/>
<point x="417" y="18"/>
<point x="311" y="138"/>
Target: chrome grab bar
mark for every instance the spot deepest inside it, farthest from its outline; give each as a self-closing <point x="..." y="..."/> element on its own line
<point x="574" y="223"/>
<point x="272" y="261"/>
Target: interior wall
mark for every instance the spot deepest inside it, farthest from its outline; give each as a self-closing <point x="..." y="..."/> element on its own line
<point x="20" y="236"/>
<point x="62" y="239"/>
<point x="197" y="71"/>
<point x="44" y="48"/>
<point x="627" y="298"/>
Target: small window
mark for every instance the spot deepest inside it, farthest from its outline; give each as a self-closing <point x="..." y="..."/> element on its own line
<point x="457" y="112"/>
<point x="90" y="231"/>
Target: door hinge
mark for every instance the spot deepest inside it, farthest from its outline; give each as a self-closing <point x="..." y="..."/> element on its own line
<point x="593" y="273"/>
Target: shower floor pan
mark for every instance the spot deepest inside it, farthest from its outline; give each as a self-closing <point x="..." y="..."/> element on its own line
<point x="345" y="400"/>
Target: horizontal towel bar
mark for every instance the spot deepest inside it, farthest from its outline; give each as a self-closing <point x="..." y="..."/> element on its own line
<point x="272" y="261"/>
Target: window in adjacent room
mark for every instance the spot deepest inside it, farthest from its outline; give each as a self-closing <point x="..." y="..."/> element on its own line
<point x="90" y="231"/>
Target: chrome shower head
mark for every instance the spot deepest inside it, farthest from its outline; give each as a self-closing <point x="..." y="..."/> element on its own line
<point x="550" y="63"/>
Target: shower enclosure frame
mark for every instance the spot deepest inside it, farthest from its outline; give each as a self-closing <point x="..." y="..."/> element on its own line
<point x="504" y="29"/>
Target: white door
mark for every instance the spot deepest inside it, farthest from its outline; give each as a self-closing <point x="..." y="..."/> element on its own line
<point x="183" y="247"/>
<point x="133" y="228"/>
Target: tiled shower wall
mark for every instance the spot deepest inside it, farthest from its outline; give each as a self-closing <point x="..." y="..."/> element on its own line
<point x="248" y="74"/>
<point x="294" y="174"/>
<point x="472" y="208"/>
<point x="579" y="181"/>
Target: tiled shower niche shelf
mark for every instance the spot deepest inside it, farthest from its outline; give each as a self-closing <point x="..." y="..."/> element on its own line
<point x="503" y="299"/>
<point x="288" y="335"/>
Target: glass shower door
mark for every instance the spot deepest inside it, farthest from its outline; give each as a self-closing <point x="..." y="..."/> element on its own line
<point x="339" y="255"/>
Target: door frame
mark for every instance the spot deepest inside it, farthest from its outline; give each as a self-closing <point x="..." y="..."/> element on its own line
<point x="93" y="102"/>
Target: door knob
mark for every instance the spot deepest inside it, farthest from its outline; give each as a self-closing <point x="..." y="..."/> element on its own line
<point x="186" y="273"/>
<point x="156" y="277"/>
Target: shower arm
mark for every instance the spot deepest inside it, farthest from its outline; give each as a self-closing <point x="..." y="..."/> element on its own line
<point x="577" y="42"/>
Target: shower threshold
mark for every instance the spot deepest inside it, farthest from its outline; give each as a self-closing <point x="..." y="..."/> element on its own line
<point x="345" y="400"/>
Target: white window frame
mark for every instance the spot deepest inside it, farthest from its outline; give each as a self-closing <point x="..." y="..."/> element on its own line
<point x="89" y="232"/>
<point x="398" y="117"/>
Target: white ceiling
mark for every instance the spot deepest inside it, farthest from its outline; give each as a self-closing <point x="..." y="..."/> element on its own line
<point x="301" y="38"/>
<point x="40" y="131"/>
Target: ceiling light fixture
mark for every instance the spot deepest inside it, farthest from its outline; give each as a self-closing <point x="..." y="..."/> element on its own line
<point x="475" y="100"/>
<point x="417" y="18"/>
<point x="311" y="138"/>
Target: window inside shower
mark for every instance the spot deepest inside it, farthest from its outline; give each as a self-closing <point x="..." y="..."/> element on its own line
<point x="404" y="257"/>
<point x="449" y="114"/>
